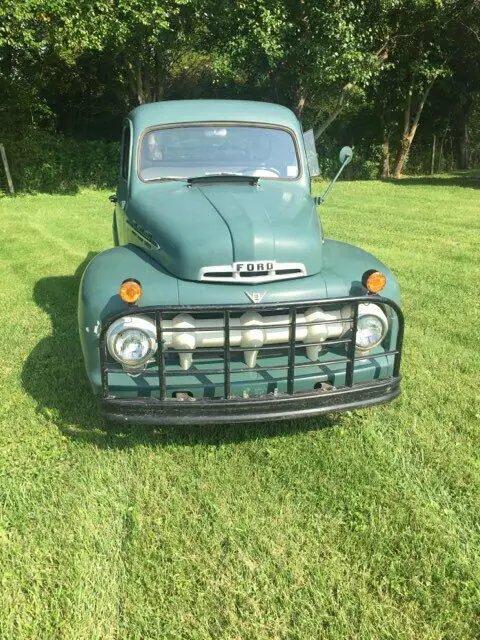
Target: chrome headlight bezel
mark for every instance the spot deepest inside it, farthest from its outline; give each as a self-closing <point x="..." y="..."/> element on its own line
<point x="139" y="323"/>
<point x="375" y="311"/>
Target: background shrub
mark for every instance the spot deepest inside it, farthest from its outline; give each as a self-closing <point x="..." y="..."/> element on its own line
<point x="53" y="163"/>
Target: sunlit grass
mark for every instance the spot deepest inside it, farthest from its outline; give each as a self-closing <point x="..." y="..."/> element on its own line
<point x="362" y="525"/>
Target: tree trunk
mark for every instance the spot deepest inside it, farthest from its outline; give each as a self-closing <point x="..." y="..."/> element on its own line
<point x="131" y="79"/>
<point x="300" y="104"/>
<point x="409" y="131"/>
<point x="139" y="81"/>
<point x="434" y="144"/>
<point x="402" y="155"/>
<point x="460" y="133"/>
<point x="148" y="95"/>
<point x="452" y="152"/>
<point x="159" y="88"/>
<point x="385" y="173"/>
<point x="461" y="147"/>
<point x="440" y="151"/>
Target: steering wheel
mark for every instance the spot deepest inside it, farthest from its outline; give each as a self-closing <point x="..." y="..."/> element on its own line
<point x="266" y="172"/>
<point x="275" y="173"/>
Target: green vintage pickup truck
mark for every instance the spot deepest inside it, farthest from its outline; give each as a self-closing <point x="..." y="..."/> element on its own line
<point x="222" y="301"/>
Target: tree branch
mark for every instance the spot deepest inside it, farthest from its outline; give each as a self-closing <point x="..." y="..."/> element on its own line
<point x="475" y="33"/>
<point x="418" y="113"/>
<point x="408" y="110"/>
<point x="320" y="130"/>
<point x="300" y="103"/>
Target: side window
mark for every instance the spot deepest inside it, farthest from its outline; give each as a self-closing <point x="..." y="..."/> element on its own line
<point x="125" y="152"/>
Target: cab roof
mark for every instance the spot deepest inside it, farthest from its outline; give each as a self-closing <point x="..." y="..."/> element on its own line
<point x="179" y="111"/>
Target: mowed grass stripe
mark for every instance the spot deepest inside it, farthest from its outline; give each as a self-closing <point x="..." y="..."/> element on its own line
<point x="74" y="530"/>
<point x="363" y="525"/>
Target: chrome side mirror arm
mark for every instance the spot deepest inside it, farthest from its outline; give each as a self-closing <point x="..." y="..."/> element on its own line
<point x="346" y="155"/>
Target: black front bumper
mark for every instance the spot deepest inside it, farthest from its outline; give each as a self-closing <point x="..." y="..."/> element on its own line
<point x="265" y="408"/>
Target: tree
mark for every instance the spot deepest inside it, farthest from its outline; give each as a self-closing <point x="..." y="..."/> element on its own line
<point x="311" y="56"/>
<point x="422" y="48"/>
<point x="77" y="66"/>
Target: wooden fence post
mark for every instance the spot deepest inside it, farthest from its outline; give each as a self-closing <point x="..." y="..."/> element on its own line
<point x="7" y="170"/>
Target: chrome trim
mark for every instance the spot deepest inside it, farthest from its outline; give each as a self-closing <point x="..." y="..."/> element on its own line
<point x="376" y="311"/>
<point x="139" y="323"/>
<point x="255" y="296"/>
<point x="145" y="236"/>
<point x="240" y="277"/>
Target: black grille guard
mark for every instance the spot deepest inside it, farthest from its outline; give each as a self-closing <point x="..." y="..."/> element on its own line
<point x="158" y="314"/>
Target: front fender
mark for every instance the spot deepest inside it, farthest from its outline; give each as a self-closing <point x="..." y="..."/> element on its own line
<point x="346" y="263"/>
<point x="98" y="297"/>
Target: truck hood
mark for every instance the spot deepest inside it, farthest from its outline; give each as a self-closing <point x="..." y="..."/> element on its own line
<point x="211" y="225"/>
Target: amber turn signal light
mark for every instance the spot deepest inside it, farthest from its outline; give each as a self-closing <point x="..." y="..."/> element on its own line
<point x="374" y="281"/>
<point x="130" y="291"/>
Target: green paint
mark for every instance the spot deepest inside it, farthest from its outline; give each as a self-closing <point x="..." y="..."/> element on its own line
<point x="169" y="230"/>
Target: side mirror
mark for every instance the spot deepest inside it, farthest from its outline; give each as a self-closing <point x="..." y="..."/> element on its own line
<point x="113" y="198"/>
<point x="346" y="155"/>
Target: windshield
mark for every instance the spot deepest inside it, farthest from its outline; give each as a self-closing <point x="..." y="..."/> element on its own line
<point x="192" y="151"/>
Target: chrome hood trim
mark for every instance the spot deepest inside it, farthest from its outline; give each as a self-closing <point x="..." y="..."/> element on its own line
<point x="227" y="273"/>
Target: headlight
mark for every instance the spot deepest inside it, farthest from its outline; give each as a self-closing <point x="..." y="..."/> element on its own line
<point x="132" y="346"/>
<point x="372" y="326"/>
<point x="132" y="340"/>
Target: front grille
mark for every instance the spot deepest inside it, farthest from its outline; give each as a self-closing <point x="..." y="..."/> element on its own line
<point x="230" y="356"/>
<point x="279" y="271"/>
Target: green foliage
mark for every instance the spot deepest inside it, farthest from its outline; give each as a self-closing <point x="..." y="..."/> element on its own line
<point x="78" y="67"/>
<point x="41" y="161"/>
<point x="364" y="166"/>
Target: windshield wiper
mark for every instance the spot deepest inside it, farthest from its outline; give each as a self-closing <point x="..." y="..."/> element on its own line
<point x="224" y="177"/>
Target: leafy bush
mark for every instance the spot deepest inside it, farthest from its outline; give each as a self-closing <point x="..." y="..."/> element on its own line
<point x="364" y="166"/>
<point x="43" y="162"/>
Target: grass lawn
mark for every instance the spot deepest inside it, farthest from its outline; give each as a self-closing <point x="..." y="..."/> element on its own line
<point x="362" y="525"/>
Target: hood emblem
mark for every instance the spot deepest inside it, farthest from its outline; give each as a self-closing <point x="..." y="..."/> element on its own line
<point x="255" y="296"/>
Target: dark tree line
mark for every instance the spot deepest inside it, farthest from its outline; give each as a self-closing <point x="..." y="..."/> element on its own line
<point x="392" y="77"/>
